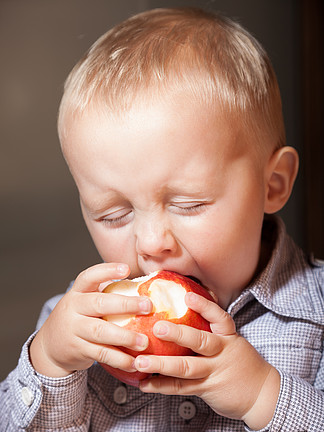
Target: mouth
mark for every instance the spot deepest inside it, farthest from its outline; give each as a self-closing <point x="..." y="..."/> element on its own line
<point x="212" y="294"/>
<point x="193" y="278"/>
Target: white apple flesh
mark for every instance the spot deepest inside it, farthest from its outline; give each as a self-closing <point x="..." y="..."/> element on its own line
<point x="166" y="291"/>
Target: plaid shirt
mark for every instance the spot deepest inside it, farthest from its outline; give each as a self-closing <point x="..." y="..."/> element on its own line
<point x="281" y="314"/>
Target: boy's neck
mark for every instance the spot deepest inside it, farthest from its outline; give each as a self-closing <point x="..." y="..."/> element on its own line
<point x="268" y="239"/>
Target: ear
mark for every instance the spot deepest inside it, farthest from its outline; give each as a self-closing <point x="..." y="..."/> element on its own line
<point x="281" y="172"/>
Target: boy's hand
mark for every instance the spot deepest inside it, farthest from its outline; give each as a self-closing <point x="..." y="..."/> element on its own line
<point x="74" y="336"/>
<point x="228" y="373"/>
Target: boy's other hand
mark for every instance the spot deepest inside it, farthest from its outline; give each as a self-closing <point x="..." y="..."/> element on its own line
<point x="74" y="336"/>
<point x="228" y="373"/>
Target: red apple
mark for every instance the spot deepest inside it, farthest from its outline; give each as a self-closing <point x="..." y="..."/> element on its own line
<point x="166" y="290"/>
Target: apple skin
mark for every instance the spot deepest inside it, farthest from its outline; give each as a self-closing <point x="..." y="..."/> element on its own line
<point x="144" y="324"/>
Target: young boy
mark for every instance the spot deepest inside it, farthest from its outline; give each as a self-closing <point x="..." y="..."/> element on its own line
<point x="172" y="128"/>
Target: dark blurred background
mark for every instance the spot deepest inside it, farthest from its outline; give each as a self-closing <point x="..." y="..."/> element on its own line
<point x="43" y="241"/>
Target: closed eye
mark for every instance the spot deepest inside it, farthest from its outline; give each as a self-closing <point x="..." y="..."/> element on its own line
<point x="117" y="219"/>
<point x="188" y="209"/>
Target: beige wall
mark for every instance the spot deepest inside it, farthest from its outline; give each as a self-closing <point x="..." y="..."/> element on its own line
<point x="43" y="242"/>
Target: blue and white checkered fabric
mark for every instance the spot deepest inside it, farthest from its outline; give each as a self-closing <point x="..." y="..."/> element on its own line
<point x="281" y="314"/>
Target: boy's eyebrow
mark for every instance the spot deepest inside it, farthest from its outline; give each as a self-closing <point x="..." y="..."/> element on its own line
<point x="190" y="195"/>
<point x="99" y="205"/>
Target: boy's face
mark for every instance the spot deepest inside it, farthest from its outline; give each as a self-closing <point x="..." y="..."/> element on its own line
<point x="170" y="186"/>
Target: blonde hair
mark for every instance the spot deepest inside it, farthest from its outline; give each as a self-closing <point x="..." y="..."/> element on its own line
<point x="210" y="55"/>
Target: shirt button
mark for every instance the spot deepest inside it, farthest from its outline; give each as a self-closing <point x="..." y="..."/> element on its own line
<point x="187" y="410"/>
<point x="120" y="395"/>
<point x="27" y="396"/>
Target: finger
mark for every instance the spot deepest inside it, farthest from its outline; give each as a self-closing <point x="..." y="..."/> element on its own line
<point x="201" y="342"/>
<point x="91" y="278"/>
<point x="185" y="367"/>
<point x="112" y="356"/>
<point x="98" y="304"/>
<point x="172" y="386"/>
<point x="220" y="321"/>
<point x="104" y="333"/>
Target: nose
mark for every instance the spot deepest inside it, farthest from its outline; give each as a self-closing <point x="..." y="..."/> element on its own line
<point x="154" y="238"/>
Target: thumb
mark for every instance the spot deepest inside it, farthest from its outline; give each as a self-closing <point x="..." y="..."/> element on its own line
<point x="93" y="277"/>
<point x="221" y="322"/>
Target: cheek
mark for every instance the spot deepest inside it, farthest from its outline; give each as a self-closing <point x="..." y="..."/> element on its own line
<point x="112" y="245"/>
<point x="229" y="243"/>
<point x="228" y="262"/>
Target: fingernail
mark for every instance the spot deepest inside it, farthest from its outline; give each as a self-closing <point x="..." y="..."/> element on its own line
<point x="142" y="362"/>
<point x="133" y="367"/>
<point x="122" y="269"/>
<point x="161" y="329"/>
<point x="192" y="297"/>
<point x="141" y="342"/>
<point x="145" y="306"/>
<point x="144" y="385"/>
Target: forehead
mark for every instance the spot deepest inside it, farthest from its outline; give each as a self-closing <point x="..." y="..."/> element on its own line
<point x="176" y="117"/>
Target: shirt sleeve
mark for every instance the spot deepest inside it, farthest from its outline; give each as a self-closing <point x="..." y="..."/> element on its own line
<point x="31" y="401"/>
<point x="300" y="407"/>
